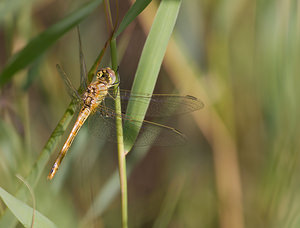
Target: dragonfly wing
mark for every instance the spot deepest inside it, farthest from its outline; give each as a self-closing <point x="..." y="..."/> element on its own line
<point x="161" y="105"/>
<point x="103" y="125"/>
<point x="83" y="71"/>
<point x="70" y="88"/>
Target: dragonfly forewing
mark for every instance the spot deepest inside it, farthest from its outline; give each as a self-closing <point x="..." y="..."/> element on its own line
<point x="70" y="88"/>
<point x="83" y="71"/>
<point x="160" y="105"/>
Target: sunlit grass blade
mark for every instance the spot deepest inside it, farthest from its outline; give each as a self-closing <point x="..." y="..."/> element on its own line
<point x="38" y="45"/>
<point x="24" y="212"/>
<point x="132" y="13"/>
<point x="150" y="63"/>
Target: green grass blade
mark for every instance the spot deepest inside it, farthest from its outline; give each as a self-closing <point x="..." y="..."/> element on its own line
<point x="132" y="13"/>
<point x="37" y="46"/>
<point x="24" y="212"/>
<point x="150" y="63"/>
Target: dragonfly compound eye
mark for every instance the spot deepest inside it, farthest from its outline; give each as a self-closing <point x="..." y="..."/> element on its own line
<point x="106" y="75"/>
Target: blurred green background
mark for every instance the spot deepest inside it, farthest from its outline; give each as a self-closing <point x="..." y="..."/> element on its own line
<point x="240" y="167"/>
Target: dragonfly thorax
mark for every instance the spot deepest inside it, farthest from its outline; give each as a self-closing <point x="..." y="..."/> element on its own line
<point x="94" y="94"/>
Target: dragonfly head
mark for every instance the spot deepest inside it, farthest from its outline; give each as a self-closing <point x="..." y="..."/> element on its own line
<point x="106" y="75"/>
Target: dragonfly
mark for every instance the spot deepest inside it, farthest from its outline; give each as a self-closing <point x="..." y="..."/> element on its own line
<point x="93" y="102"/>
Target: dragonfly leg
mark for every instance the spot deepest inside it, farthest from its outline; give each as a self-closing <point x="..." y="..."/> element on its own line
<point x="103" y="110"/>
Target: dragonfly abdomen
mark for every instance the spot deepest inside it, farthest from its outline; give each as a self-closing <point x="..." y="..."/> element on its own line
<point x="83" y="115"/>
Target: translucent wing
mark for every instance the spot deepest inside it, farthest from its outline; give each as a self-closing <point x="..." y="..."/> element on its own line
<point x="83" y="71"/>
<point x="70" y="88"/>
<point x="160" y="105"/>
<point x="150" y="132"/>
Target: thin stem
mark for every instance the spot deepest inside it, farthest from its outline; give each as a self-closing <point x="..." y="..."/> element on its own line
<point x="32" y="197"/>
<point x="119" y="128"/>
<point x="109" y="22"/>
<point x="121" y="152"/>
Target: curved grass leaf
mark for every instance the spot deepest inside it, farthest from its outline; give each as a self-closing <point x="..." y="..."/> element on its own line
<point x="24" y="212"/>
<point x="150" y="63"/>
<point x="37" y="46"/>
<point x="132" y="13"/>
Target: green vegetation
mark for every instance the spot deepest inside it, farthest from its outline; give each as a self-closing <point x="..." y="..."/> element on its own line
<point x="239" y="167"/>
